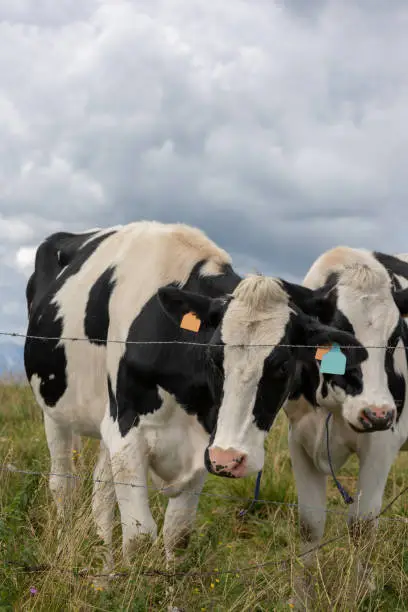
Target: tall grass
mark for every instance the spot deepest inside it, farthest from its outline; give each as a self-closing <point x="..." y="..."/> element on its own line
<point x="221" y="541"/>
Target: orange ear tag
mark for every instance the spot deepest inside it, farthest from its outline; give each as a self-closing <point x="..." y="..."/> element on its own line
<point x="190" y="322"/>
<point x="321" y="351"/>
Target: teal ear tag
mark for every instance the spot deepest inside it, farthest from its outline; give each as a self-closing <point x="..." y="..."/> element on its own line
<point x="333" y="362"/>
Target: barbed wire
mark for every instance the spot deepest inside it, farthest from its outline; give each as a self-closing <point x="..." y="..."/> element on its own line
<point x="238" y="498"/>
<point x="215" y="572"/>
<point x="184" y="343"/>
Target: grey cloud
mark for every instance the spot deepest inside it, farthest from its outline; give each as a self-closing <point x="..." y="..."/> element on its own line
<point x="45" y="13"/>
<point x="280" y="129"/>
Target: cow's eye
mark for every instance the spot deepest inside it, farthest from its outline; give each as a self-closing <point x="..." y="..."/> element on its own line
<point x="276" y="366"/>
<point x="217" y="356"/>
<point x="281" y="370"/>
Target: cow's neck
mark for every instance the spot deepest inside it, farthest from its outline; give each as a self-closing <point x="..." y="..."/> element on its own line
<point x="191" y="388"/>
<point x="308" y="427"/>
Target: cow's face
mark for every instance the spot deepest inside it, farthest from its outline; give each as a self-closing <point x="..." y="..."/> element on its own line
<point x="367" y="307"/>
<point x="255" y="365"/>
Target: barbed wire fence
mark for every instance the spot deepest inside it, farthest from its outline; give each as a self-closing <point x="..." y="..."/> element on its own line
<point x="235" y="498"/>
<point x="22" y="335"/>
<point x="154" y="572"/>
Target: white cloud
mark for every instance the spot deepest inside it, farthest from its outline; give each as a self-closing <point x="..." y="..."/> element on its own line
<point x="25" y="257"/>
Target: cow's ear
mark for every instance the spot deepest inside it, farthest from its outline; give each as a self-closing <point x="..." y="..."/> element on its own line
<point x="318" y="303"/>
<point x="401" y="300"/>
<point x="316" y="335"/>
<point x="177" y="303"/>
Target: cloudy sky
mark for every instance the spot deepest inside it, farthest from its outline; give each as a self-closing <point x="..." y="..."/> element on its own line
<point x="281" y="129"/>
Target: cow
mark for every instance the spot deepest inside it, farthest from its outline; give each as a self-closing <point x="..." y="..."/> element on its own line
<point x="161" y="374"/>
<point x="369" y="416"/>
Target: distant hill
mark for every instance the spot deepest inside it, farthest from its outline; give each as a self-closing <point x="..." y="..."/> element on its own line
<point x="11" y="358"/>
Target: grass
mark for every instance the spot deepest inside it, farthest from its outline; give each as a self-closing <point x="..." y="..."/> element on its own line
<point x="221" y="541"/>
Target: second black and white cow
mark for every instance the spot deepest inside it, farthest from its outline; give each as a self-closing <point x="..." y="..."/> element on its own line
<point x="368" y="404"/>
<point x="161" y="408"/>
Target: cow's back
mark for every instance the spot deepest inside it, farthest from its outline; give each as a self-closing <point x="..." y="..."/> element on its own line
<point x="52" y="256"/>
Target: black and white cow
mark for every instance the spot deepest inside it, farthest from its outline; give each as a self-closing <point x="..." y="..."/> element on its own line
<point x="368" y="403"/>
<point x="162" y="408"/>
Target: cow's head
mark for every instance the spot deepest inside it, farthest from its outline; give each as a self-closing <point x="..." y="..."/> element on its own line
<point x="255" y="330"/>
<point x="367" y="307"/>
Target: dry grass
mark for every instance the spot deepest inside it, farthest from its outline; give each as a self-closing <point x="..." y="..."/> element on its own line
<point x="221" y="541"/>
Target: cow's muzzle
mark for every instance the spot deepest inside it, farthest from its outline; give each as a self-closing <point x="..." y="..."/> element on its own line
<point x="375" y="418"/>
<point x="228" y="463"/>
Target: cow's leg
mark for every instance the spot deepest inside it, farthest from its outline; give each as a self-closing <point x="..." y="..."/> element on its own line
<point x="311" y="490"/>
<point x="377" y="454"/>
<point x="77" y="451"/>
<point x="180" y="516"/>
<point x="103" y="504"/>
<point x="129" y="461"/>
<point x="178" y="523"/>
<point x="61" y="482"/>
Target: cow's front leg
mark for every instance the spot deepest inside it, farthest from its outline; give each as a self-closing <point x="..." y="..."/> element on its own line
<point x="129" y="461"/>
<point x="377" y="454"/>
<point x="311" y="490"/>
<point x="179" y="519"/>
<point x="180" y="516"/>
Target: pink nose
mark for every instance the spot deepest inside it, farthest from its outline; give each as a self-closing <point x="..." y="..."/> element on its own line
<point x="377" y="418"/>
<point x="230" y="463"/>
